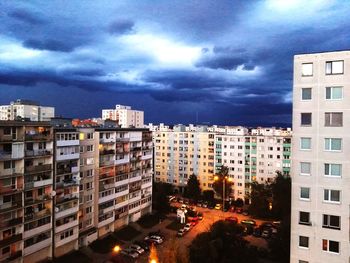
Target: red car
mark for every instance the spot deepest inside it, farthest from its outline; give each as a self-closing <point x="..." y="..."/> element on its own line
<point x="194" y="222"/>
<point x="232" y="219"/>
<point x="239" y="210"/>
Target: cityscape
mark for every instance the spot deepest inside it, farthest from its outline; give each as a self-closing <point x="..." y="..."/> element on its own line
<point x="173" y="132"/>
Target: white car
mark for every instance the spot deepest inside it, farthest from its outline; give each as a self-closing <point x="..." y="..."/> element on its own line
<point x="187" y="227"/>
<point x="137" y="248"/>
<point x="181" y="232"/>
<point x="130" y="253"/>
<point x="157" y="239"/>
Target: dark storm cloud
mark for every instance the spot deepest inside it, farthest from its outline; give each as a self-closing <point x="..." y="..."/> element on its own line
<point x="26" y="16"/>
<point x="120" y="27"/>
<point x="49" y="44"/>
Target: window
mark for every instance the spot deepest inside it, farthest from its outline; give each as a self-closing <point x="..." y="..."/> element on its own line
<point x="306" y="94"/>
<point x="305" y="168"/>
<point x="304" y="218"/>
<point x="334" y="67"/>
<point x="305" y="193"/>
<point x="306" y="69"/>
<point x="331" y="196"/>
<point x="304" y="241"/>
<point x="330" y="246"/>
<point x="330" y="221"/>
<point x="303" y="261"/>
<point x="305" y="143"/>
<point x="334" y="93"/>
<point x="332" y="144"/>
<point x="332" y="169"/>
<point x="306" y="119"/>
<point x="333" y="119"/>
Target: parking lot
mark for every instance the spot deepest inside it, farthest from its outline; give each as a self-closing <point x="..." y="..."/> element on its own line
<point x="180" y="244"/>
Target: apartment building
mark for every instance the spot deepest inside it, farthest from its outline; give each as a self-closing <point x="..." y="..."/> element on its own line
<point x="125" y="116"/>
<point x="26" y="150"/>
<point x="321" y="150"/>
<point x="125" y="177"/>
<point x="26" y="109"/>
<point x="62" y="187"/>
<point x="250" y="154"/>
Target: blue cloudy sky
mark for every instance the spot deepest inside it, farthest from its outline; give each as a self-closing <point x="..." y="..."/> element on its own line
<point x="227" y="62"/>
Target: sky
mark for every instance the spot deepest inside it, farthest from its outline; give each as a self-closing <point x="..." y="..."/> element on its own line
<point x="194" y="61"/>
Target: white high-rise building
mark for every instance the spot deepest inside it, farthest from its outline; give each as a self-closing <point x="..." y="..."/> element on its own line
<point x="125" y="116"/>
<point x="321" y="158"/>
<point x="26" y="109"/>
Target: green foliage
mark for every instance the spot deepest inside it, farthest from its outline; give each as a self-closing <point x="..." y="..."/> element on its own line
<point x="160" y="199"/>
<point x="281" y="192"/>
<point x="238" y="202"/>
<point x="208" y="195"/>
<point x="218" y="184"/>
<point x="260" y="196"/>
<point x="222" y="243"/>
<point x="193" y="190"/>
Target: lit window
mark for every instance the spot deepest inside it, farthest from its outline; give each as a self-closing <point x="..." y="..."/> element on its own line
<point x="333" y="119"/>
<point x="330" y="246"/>
<point x="332" y="169"/>
<point x="306" y="93"/>
<point x="332" y="144"/>
<point x="307" y="69"/>
<point x="334" y="67"/>
<point x="334" y="93"/>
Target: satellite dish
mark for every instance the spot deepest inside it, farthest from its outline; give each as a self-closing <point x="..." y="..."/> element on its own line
<point x="53" y="193"/>
<point x="57" y="209"/>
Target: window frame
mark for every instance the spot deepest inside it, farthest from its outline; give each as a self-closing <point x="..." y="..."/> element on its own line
<point x="331" y="62"/>
<point x="330" y="175"/>
<point x="330" y="196"/>
<point x="330" y="144"/>
<point x="308" y="114"/>
<point x="306" y="174"/>
<point x="327" y="249"/>
<point x="331" y="93"/>
<point x="331" y="118"/>
<point x="302" y="89"/>
<point x="312" y="69"/>
<point x="328" y="225"/>
<point x="308" y="223"/>
<point x="308" y="149"/>
<point x="308" y="242"/>
<point x="304" y="198"/>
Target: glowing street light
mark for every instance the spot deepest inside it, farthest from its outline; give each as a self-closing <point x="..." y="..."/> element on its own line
<point x="153" y="261"/>
<point x="116" y="249"/>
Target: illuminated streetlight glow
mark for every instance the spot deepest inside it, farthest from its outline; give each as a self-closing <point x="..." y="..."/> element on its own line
<point x="116" y="249"/>
<point x="216" y="178"/>
<point x="153" y="261"/>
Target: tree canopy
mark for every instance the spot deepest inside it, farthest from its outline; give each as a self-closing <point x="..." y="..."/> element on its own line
<point x="160" y="199"/>
<point x="218" y="184"/>
<point x="193" y="190"/>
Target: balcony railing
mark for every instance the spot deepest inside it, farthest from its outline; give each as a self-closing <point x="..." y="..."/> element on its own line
<point x="11" y="222"/>
<point x="12" y="172"/>
<point x="11" y="188"/>
<point x="10" y="206"/>
<point x="38" y="136"/>
<point x="13" y="256"/>
<point x="38" y="168"/>
<point x="37" y="215"/>
<point x="5" y="155"/>
<point x="134" y="149"/>
<point x="37" y="199"/>
<point x="10" y="138"/>
<point x="107" y="152"/>
<point x="37" y="153"/>
<point x="67" y="198"/>
<point x="12" y="239"/>
<point x="67" y="183"/>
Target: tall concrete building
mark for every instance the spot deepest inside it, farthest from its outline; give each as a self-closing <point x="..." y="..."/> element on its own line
<point x="320" y="158"/>
<point x="26" y="109"/>
<point x="250" y="155"/>
<point x="125" y="116"/>
<point x="62" y="187"/>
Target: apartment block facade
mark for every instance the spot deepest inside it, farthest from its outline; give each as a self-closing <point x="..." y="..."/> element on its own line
<point x="62" y="187"/>
<point x="125" y="116"/>
<point x="250" y="154"/>
<point x="26" y="109"/>
<point x="321" y="149"/>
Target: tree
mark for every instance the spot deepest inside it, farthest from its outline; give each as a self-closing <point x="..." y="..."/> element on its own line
<point x="160" y="199"/>
<point x="193" y="190"/>
<point x="218" y="184"/>
<point x="208" y="195"/>
<point x="222" y="243"/>
<point x="260" y="198"/>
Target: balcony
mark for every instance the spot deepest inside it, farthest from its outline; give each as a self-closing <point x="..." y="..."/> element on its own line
<point x="66" y="198"/>
<point x="37" y="215"/>
<point x="122" y="161"/>
<point x="38" y="168"/>
<point x="44" y="136"/>
<point x="6" y="207"/>
<point x="67" y="170"/>
<point x="146" y="137"/>
<point x="11" y="188"/>
<point x="67" y="183"/>
<point x="37" y="199"/>
<point x="63" y="143"/>
<point x="10" y="137"/>
<point x="40" y="244"/>
<point x="122" y="139"/>
<point x="134" y="189"/>
<point x="65" y="211"/>
<point x="10" y="240"/>
<point x="38" y="183"/>
<point x="135" y="149"/>
<point x="147" y="156"/>
<point x="11" y="222"/>
<point x="104" y="163"/>
<point x="67" y="225"/>
<point x="70" y="156"/>
<point x="37" y="153"/>
<point x="12" y="172"/>
<point x="12" y="257"/>
<point x="107" y="152"/>
<point x="107" y="140"/>
<point x="38" y="229"/>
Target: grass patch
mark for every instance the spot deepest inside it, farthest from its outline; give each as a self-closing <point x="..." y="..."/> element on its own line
<point x="104" y="245"/>
<point x="175" y="225"/>
<point x="149" y="220"/>
<point x="76" y="256"/>
<point x="127" y="233"/>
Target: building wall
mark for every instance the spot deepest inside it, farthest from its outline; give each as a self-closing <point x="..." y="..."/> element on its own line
<point x="317" y="156"/>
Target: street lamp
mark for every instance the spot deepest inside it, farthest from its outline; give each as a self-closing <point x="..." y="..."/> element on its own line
<point x="116" y="249"/>
<point x="226" y="178"/>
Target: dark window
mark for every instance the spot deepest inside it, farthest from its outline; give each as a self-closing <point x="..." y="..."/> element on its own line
<point x="304" y="218"/>
<point x="331" y="221"/>
<point x="306" y="119"/>
<point x="306" y="93"/>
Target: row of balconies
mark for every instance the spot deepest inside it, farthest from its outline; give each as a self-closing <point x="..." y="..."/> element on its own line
<point x="37" y="153"/>
<point x="6" y="207"/>
<point x="40" y="136"/>
<point x="38" y="168"/>
<point x="36" y="199"/>
<point x="36" y="214"/>
<point x="12" y="222"/>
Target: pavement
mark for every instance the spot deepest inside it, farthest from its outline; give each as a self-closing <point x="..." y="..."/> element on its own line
<point x="172" y="242"/>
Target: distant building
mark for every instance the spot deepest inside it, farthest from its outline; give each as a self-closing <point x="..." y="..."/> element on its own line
<point x="125" y="116"/>
<point x="320" y="158"/>
<point x="26" y="109"/>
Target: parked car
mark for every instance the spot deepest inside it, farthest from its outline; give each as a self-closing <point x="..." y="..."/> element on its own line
<point x="184" y="207"/>
<point x="187" y="227"/>
<point x="211" y="206"/>
<point x="245" y="213"/>
<point x="232" y="219"/>
<point x="181" y="232"/>
<point x="248" y="230"/>
<point x="156" y="239"/>
<point x="248" y="222"/>
<point x="171" y="198"/>
<point x="156" y="233"/>
<point x="200" y="216"/>
<point x="180" y="200"/>
<point x="239" y="210"/>
<point x="218" y="206"/>
<point x="257" y="232"/>
<point x="194" y="221"/>
<point x="142" y="244"/>
<point x="129" y="253"/>
<point x="276" y="223"/>
<point x="137" y="248"/>
<point x="205" y="204"/>
<point x="266" y="233"/>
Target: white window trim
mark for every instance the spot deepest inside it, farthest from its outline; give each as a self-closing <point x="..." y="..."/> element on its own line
<point x="334" y="176"/>
<point x="331" y="252"/>
<point x="301" y="149"/>
<point x="302" y="198"/>
<point x="342" y="93"/>
<point x="330" y="150"/>
<point x="329" y="195"/>
<point x="301" y="94"/>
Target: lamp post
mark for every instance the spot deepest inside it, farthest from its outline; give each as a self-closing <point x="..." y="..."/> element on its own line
<point x="224" y="179"/>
